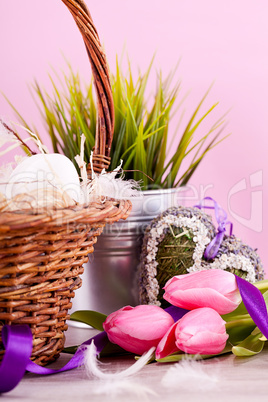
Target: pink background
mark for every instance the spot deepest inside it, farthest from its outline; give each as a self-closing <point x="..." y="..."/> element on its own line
<point x="220" y="42"/>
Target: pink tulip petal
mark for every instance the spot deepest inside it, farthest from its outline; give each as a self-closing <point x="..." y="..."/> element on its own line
<point x="167" y="344"/>
<point x="200" y="297"/>
<point x="203" y="318"/>
<point x="222" y="282"/>
<point x="111" y="316"/>
<point x="201" y="331"/>
<point x="131" y="344"/>
<point x="218" y="279"/>
<point x="137" y="329"/>
<point x="203" y="343"/>
<point x="144" y="322"/>
<point x="234" y="296"/>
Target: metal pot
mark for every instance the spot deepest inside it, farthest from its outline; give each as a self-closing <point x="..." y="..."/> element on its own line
<point x="110" y="276"/>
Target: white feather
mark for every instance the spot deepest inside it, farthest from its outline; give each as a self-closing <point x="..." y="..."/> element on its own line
<point x="115" y="383"/>
<point x="106" y="184"/>
<point x="92" y="365"/>
<point x="190" y="374"/>
<point x="5" y="172"/>
<point x="113" y="388"/>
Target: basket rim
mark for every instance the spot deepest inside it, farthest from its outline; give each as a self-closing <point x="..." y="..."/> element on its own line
<point x="102" y="210"/>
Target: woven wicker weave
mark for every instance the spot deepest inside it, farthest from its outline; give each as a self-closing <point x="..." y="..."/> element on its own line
<point x="42" y="252"/>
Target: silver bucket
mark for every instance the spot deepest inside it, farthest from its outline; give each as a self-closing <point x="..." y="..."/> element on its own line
<point x="110" y="275"/>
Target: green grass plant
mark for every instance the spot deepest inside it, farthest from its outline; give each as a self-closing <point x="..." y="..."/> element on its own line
<point x="142" y="127"/>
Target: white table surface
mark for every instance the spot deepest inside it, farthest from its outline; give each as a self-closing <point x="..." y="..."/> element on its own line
<point x="237" y="379"/>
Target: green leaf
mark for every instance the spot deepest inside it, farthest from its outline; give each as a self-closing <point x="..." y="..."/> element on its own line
<point x="239" y="329"/>
<point x="110" y="349"/>
<point x="251" y="346"/>
<point x="71" y="349"/>
<point x="241" y="312"/>
<point x="176" y="357"/>
<point x="16" y="111"/>
<point x="262" y="285"/>
<point x="117" y="152"/>
<point x="238" y="313"/>
<point x="89" y="317"/>
<point x="186" y="139"/>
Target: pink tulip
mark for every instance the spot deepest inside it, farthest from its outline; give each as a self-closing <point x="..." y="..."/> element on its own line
<point x="201" y="331"/>
<point x="213" y="288"/>
<point x="137" y="329"/>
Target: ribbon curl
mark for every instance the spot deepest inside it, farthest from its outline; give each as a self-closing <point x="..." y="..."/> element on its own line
<point x="17" y="359"/>
<point x="221" y="218"/>
<point x="254" y="303"/>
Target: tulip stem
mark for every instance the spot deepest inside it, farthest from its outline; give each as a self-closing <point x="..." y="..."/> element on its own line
<point x="262" y="285"/>
<point x="237" y="317"/>
<point x="247" y="320"/>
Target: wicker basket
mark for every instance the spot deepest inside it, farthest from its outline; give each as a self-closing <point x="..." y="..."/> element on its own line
<point x="42" y="252"/>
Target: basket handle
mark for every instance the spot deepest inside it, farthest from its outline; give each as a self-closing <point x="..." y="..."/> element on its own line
<point x="100" y="71"/>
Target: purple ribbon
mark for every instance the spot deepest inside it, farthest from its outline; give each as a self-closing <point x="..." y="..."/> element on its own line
<point x="254" y="303"/>
<point x="100" y="340"/>
<point x="17" y="358"/>
<point x="221" y="218"/>
<point x="176" y="312"/>
<point x="18" y="343"/>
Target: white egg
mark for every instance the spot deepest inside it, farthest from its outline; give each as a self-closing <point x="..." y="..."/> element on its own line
<point x="44" y="172"/>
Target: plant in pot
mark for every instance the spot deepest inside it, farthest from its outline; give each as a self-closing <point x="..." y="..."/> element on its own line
<point x="162" y="162"/>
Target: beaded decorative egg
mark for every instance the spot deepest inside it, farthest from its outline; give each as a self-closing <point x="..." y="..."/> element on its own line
<point x="174" y="244"/>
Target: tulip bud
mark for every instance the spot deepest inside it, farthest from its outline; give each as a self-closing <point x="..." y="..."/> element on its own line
<point x="200" y="331"/>
<point x="213" y="288"/>
<point x="137" y="329"/>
